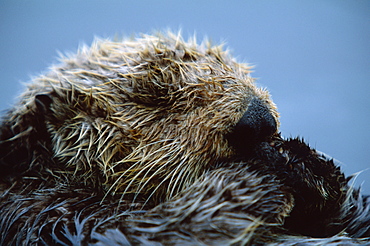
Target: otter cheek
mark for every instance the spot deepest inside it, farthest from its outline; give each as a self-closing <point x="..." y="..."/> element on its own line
<point x="255" y="126"/>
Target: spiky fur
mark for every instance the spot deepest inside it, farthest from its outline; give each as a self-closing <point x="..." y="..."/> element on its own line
<point x="129" y="139"/>
<point x="117" y="112"/>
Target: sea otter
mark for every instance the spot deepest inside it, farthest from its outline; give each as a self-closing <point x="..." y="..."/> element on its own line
<point x="159" y="140"/>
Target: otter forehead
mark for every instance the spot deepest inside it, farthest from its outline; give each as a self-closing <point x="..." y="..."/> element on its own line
<point x="150" y="111"/>
<point x="161" y="72"/>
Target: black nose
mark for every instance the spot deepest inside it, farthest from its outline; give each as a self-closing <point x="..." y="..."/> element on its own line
<point x="255" y="126"/>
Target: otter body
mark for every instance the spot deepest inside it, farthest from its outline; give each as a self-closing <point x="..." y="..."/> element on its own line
<point x="159" y="140"/>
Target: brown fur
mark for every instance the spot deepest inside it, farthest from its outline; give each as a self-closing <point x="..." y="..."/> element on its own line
<point x="118" y="113"/>
<point x="135" y="139"/>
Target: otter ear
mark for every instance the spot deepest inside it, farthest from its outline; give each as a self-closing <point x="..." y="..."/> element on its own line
<point x="25" y="137"/>
<point x="43" y="102"/>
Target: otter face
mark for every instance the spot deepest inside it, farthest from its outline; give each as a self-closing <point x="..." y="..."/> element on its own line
<point x="148" y="116"/>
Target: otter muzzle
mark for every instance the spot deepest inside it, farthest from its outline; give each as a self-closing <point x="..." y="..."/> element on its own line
<point x="255" y="126"/>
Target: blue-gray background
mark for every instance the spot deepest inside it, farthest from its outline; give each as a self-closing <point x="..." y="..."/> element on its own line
<point x="313" y="56"/>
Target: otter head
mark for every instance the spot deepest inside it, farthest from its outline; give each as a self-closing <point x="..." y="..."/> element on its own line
<point x="146" y="116"/>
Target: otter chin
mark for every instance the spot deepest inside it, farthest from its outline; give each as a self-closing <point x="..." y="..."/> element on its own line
<point x="159" y="140"/>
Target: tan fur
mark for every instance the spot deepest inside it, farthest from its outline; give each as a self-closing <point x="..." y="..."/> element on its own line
<point x="143" y="116"/>
<point x="157" y="140"/>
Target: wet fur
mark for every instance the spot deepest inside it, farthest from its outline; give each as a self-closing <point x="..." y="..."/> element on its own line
<point x="113" y="115"/>
<point x="128" y="142"/>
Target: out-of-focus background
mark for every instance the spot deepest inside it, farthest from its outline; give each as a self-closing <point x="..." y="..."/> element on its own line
<point x="312" y="55"/>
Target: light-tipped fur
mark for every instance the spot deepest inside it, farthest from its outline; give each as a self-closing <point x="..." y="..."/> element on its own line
<point x="116" y="113"/>
<point x="158" y="140"/>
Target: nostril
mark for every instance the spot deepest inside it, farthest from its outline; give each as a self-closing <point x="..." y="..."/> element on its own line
<point x="260" y="119"/>
<point x="256" y="124"/>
